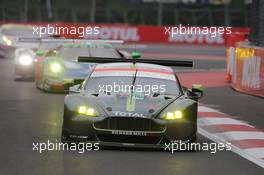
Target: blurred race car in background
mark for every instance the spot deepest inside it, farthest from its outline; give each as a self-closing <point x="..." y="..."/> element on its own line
<point x="131" y="118"/>
<point x="17" y="41"/>
<point x="9" y="35"/>
<point x="27" y="58"/>
<point x="24" y="63"/>
<point x="59" y="69"/>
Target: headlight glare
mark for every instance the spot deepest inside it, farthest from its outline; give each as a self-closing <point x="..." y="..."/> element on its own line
<point x="86" y="111"/>
<point x="173" y="115"/>
<point x="178" y="114"/>
<point x="55" y="67"/>
<point x="7" y="40"/>
<point x="82" y="110"/>
<point x="25" y="60"/>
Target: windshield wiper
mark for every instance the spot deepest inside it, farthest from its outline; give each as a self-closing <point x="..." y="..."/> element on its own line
<point x="134" y="81"/>
<point x="131" y="99"/>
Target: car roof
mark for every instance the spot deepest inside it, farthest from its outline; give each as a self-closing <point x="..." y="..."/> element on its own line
<point x="138" y="65"/>
<point x="128" y="70"/>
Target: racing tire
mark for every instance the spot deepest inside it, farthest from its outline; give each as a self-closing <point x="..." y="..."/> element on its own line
<point x="64" y="136"/>
<point x="44" y="86"/>
<point x="194" y="139"/>
<point x="37" y="84"/>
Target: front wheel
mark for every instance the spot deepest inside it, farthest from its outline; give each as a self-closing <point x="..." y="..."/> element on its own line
<point x="193" y="139"/>
<point x="64" y="136"/>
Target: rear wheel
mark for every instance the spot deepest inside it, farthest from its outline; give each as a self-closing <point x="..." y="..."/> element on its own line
<point x="194" y="139"/>
<point x="39" y="82"/>
<point x="45" y="85"/>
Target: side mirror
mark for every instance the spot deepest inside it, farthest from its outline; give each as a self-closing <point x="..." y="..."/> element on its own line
<point x="197" y="89"/>
<point x="40" y="53"/>
<point x="196" y="92"/>
<point x="75" y="89"/>
<point x="136" y="54"/>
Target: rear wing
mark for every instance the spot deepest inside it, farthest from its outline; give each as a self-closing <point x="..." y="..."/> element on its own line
<point x="177" y="63"/>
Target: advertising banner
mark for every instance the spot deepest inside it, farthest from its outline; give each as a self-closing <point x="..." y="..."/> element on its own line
<point x="137" y="33"/>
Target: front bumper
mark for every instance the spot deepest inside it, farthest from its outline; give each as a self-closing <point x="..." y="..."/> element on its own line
<point x="127" y="132"/>
<point x="24" y="72"/>
<point x="60" y="85"/>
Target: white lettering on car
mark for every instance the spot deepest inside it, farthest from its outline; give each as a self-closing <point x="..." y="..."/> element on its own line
<point x="128" y="114"/>
<point x="134" y="133"/>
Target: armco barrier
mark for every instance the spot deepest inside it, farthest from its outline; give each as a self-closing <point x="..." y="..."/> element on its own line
<point x="248" y="69"/>
<point x="144" y="34"/>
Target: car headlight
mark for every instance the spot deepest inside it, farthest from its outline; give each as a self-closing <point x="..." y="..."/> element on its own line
<point x="173" y="115"/>
<point x="7" y="40"/>
<point x="84" y="110"/>
<point x="55" y="67"/>
<point x="25" y="59"/>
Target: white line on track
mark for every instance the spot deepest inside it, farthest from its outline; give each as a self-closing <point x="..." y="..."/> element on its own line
<point x="206" y="109"/>
<point x="204" y="121"/>
<point x="241" y="135"/>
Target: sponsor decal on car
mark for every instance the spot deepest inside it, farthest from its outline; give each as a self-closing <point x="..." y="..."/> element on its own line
<point x="128" y="114"/>
<point x="133" y="133"/>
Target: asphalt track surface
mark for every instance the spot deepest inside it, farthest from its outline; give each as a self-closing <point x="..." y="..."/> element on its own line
<point x="29" y="115"/>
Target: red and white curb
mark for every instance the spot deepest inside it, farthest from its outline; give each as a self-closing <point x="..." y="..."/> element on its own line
<point x="246" y="140"/>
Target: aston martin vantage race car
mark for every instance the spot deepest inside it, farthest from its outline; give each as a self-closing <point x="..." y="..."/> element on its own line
<point x="59" y="69"/>
<point x="128" y="103"/>
<point x="9" y="34"/>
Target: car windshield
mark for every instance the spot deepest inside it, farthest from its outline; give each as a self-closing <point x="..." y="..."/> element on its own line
<point x="104" y="52"/>
<point x="123" y="84"/>
<point x="49" y="45"/>
<point x="74" y="53"/>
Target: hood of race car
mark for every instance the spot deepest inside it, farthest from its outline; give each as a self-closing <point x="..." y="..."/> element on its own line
<point x="123" y="105"/>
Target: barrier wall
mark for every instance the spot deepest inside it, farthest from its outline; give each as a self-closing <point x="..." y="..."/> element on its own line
<point x="145" y="34"/>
